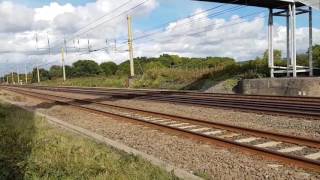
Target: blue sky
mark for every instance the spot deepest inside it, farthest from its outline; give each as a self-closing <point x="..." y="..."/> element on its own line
<point x="170" y="10"/>
<point x="242" y="41"/>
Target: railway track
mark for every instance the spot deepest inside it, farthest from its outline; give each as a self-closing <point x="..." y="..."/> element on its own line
<point x="297" y="151"/>
<point x="305" y="107"/>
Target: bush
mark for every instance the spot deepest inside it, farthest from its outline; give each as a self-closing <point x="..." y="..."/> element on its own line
<point x="44" y="75"/>
<point x="86" y="68"/>
<point x="55" y="71"/>
<point x="109" y="68"/>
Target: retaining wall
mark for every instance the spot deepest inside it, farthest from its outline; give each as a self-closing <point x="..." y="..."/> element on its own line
<point x="306" y="86"/>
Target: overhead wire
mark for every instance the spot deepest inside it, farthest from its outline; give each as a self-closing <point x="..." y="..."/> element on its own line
<point x="228" y="10"/>
<point x="108" y="20"/>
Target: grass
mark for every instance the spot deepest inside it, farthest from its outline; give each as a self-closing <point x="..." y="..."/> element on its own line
<point x="158" y="78"/>
<point x="30" y="148"/>
<point x="98" y="81"/>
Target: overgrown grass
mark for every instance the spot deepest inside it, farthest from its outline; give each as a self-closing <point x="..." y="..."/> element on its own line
<point x="167" y="78"/>
<point x="30" y="148"/>
<point x="98" y="81"/>
<point x="163" y="78"/>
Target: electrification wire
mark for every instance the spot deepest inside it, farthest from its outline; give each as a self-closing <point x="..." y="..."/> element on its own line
<point x="189" y="16"/>
<point x="203" y="31"/>
<point x="105" y="15"/>
<point x="236" y="23"/>
<point x="143" y="37"/>
<point x="160" y="27"/>
<point x="108" y="20"/>
<point x="193" y="21"/>
<point x="228" y="10"/>
<point x="85" y="27"/>
<point x="187" y="23"/>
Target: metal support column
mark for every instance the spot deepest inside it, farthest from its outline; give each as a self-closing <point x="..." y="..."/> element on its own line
<point x="130" y="44"/>
<point x="270" y="43"/>
<point x="26" y="74"/>
<point x="18" y="76"/>
<point x="310" y="42"/>
<point x="12" y="78"/>
<point x="38" y="74"/>
<point x="293" y="39"/>
<point x="288" y="44"/>
<point x="63" y="65"/>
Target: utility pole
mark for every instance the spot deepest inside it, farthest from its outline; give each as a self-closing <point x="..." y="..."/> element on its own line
<point x="18" y="78"/>
<point x="310" y="43"/>
<point x="130" y="39"/>
<point x="12" y="78"/>
<point x="63" y="65"/>
<point x="49" y="48"/>
<point x="8" y="79"/>
<point x="38" y="73"/>
<point x="26" y="74"/>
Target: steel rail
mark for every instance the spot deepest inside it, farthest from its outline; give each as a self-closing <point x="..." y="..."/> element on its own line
<point x="305" y="141"/>
<point x="179" y="92"/>
<point x="304" y="162"/>
<point x="226" y="97"/>
<point x="281" y="104"/>
<point x="284" y="108"/>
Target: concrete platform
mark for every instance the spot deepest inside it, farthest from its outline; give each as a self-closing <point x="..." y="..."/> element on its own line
<point x="304" y="86"/>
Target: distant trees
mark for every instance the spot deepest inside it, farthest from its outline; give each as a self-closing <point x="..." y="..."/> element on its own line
<point x="277" y="55"/>
<point x="109" y="68"/>
<point x="86" y="68"/>
<point x="167" y="63"/>
<point x="55" y="71"/>
<point x="44" y="75"/>
<point x="316" y="54"/>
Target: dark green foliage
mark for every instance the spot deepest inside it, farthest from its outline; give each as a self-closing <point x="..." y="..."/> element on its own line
<point x="173" y="69"/>
<point x="109" y="68"/>
<point x="86" y="68"/>
<point x="55" y="71"/>
<point x="303" y="59"/>
<point x="142" y="64"/>
<point x="15" y="144"/>
<point x="316" y="54"/>
<point x="44" y="75"/>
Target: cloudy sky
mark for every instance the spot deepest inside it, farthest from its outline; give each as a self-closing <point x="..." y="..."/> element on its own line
<point x="183" y="27"/>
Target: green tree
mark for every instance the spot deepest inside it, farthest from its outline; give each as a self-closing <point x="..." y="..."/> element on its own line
<point x="303" y="59"/>
<point x="109" y="68"/>
<point x="55" y="71"/>
<point x="277" y="55"/>
<point x="69" y="71"/>
<point x="44" y="75"/>
<point x="316" y="55"/>
<point x="86" y="68"/>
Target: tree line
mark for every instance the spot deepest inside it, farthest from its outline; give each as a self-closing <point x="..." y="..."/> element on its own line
<point x="88" y="68"/>
<point x="252" y="68"/>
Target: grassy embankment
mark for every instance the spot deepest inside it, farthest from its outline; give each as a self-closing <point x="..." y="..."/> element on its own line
<point x="30" y="148"/>
<point x="163" y="78"/>
<point x="98" y="81"/>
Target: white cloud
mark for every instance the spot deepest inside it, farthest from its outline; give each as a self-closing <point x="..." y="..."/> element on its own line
<point x="15" y="18"/>
<point x="48" y="13"/>
<point x="234" y="37"/>
<point x="242" y="41"/>
<point x="19" y="24"/>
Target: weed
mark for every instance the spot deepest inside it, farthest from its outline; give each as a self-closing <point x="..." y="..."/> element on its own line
<point x="30" y="148"/>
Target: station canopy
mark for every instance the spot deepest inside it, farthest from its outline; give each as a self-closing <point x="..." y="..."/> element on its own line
<point x="274" y="4"/>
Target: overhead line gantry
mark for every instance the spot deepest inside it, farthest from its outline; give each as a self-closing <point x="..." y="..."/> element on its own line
<point x="288" y="9"/>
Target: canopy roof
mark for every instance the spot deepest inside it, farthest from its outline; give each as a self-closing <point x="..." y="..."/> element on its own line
<point x="275" y="4"/>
